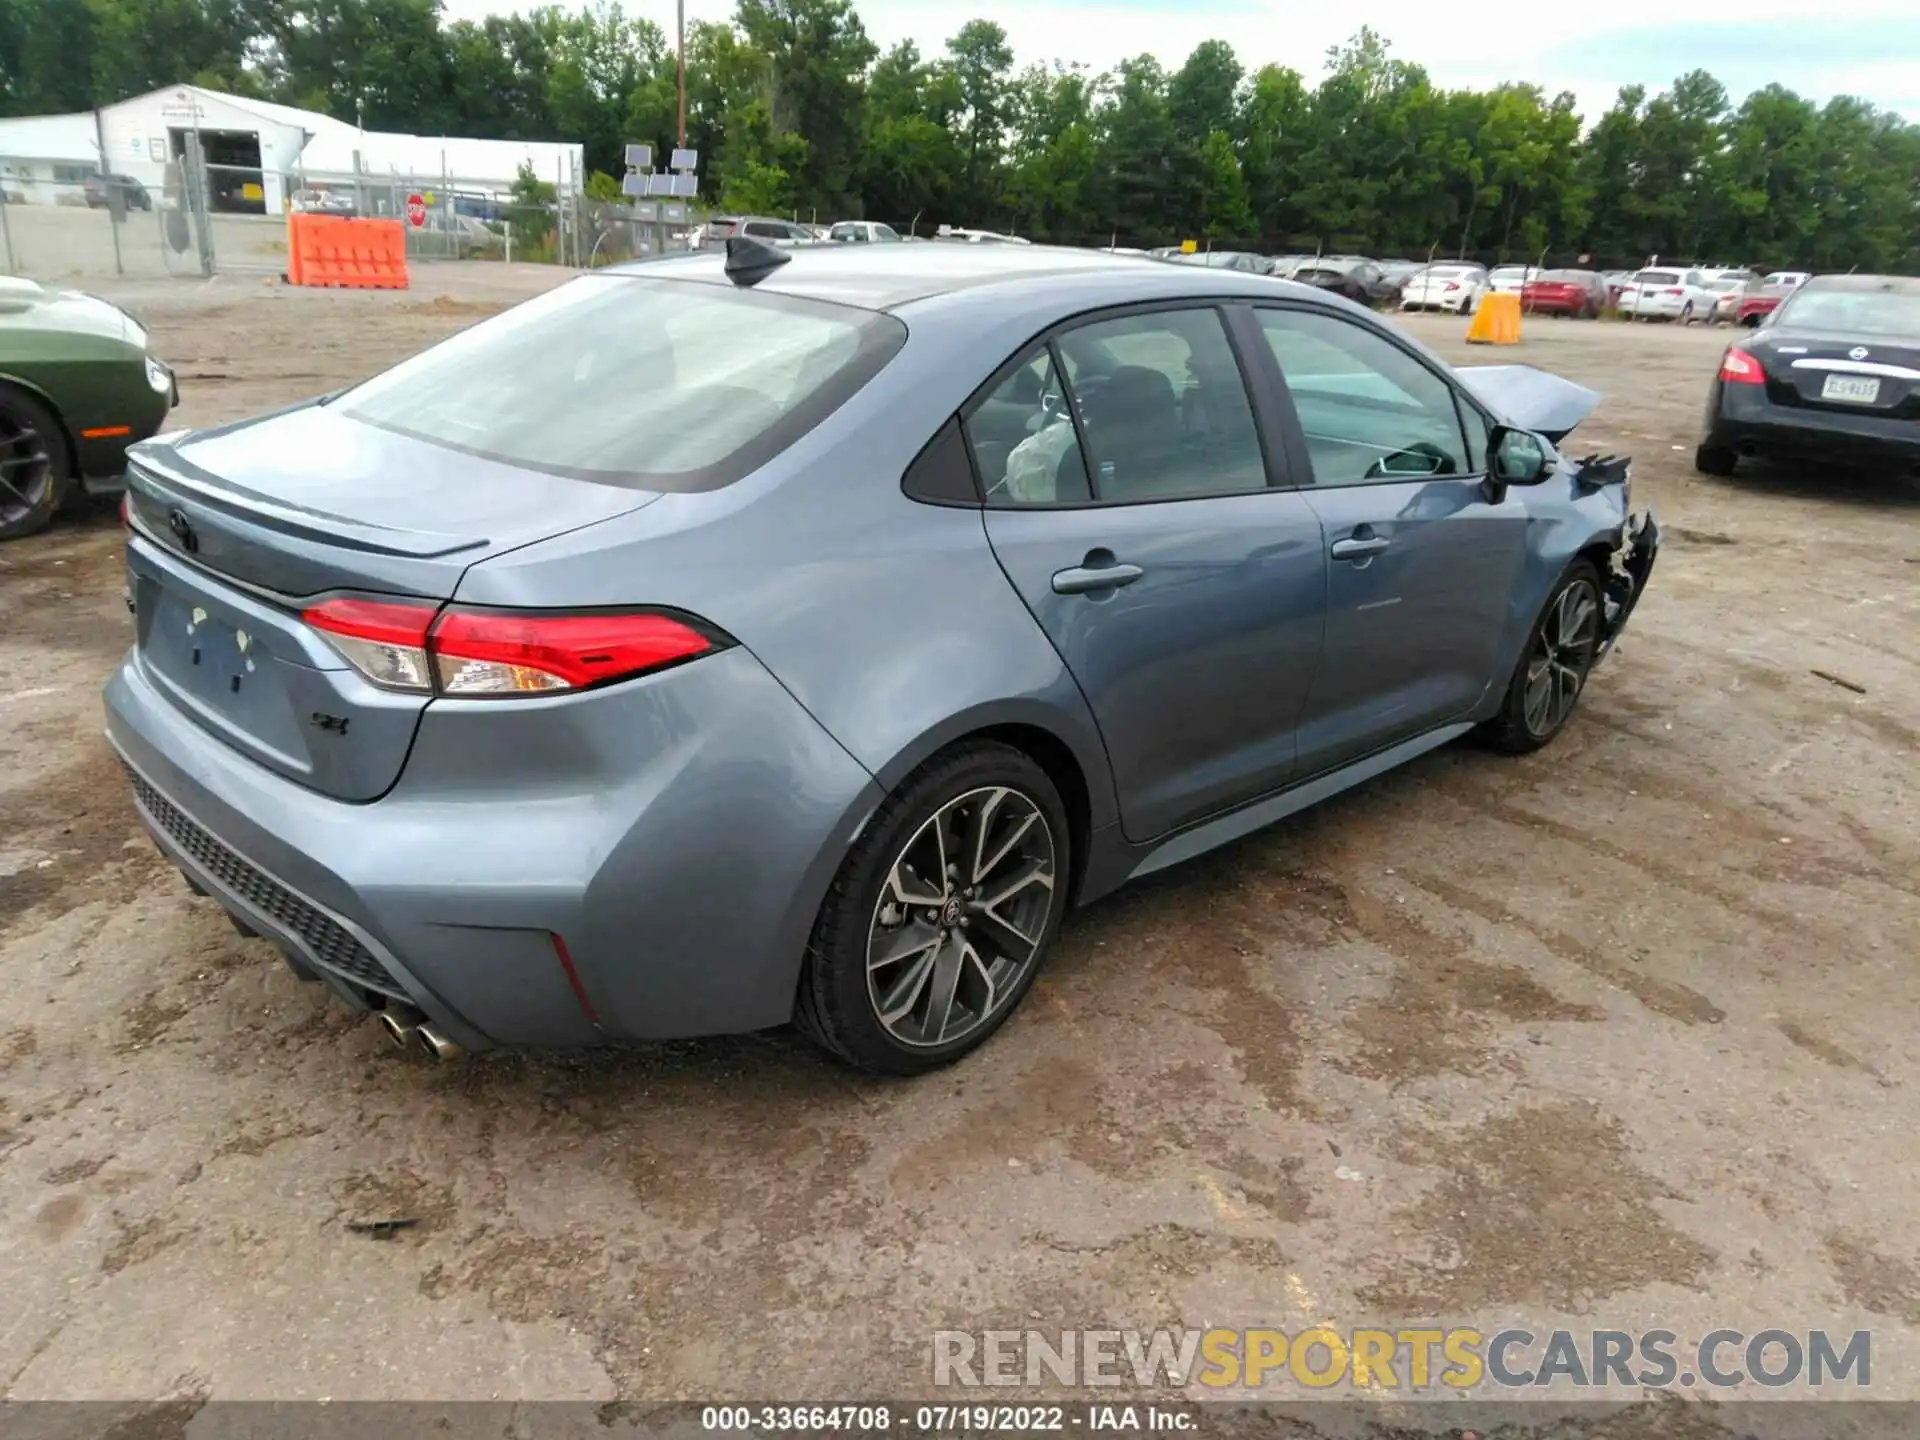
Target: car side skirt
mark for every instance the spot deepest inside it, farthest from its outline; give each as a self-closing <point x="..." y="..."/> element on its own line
<point x="1114" y="861"/>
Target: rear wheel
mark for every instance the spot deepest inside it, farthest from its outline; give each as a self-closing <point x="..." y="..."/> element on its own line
<point x="1686" y="313"/>
<point x="941" y="915"/>
<point x="33" y="464"/>
<point x="1715" y="460"/>
<point x="1553" y="668"/>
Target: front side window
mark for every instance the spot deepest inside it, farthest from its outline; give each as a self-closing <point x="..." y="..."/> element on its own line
<point x="624" y="380"/>
<point x="1163" y="406"/>
<point x="1372" y="413"/>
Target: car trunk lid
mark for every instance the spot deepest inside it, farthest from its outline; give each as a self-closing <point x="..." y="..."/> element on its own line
<point x="1814" y="370"/>
<point x="236" y="530"/>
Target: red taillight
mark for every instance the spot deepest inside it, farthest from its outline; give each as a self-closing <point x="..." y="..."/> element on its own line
<point x="385" y="640"/>
<point x="1737" y="367"/>
<point x="481" y="652"/>
<point x="399" y="645"/>
<point x="1453" y="284"/>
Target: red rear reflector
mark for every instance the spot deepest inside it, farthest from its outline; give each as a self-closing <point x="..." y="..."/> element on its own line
<point x="105" y="432"/>
<point x="495" y="652"/>
<point x="1739" y="368"/>
<point x="1676" y="291"/>
<point x="573" y="976"/>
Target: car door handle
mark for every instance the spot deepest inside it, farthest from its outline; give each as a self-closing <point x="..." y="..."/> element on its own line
<point x="1357" y="549"/>
<point x="1089" y="579"/>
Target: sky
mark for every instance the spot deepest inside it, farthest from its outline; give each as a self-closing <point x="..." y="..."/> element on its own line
<point x="1816" y="47"/>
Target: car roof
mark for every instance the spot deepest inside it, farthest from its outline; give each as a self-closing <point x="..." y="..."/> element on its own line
<point x="881" y="279"/>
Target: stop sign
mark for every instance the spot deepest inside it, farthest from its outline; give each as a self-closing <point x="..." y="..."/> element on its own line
<point x="416" y="211"/>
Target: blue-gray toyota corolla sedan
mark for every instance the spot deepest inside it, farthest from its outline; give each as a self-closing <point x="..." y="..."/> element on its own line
<point x="795" y="635"/>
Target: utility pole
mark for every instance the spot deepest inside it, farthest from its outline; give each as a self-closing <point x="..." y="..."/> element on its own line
<point x="680" y="57"/>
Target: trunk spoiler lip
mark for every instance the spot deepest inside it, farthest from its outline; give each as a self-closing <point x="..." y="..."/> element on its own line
<point x="1530" y="398"/>
<point x="164" y="469"/>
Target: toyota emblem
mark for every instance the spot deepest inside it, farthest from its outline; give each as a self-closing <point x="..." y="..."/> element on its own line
<point x="182" y="530"/>
<point x="1858" y="352"/>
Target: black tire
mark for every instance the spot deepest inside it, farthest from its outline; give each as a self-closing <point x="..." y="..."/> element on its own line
<point x="1715" y="460"/>
<point x="839" y="1005"/>
<point x="1686" y="313"/>
<point x="35" y="468"/>
<point x="1518" y="729"/>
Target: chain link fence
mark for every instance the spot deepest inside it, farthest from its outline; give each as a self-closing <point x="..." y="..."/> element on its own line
<point x="65" y="223"/>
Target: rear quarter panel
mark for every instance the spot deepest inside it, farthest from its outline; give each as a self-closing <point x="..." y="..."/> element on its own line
<point x="889" y="620"/>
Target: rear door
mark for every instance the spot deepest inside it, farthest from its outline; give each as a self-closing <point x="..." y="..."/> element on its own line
<point x="1129" y="502"/>
<point x="1422" y="562"/>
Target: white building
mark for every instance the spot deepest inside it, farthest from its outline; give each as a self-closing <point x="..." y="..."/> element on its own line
<point x="258" y="154"/>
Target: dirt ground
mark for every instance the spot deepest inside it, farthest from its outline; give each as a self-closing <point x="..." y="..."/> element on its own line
<point x="1620" y="1034"/>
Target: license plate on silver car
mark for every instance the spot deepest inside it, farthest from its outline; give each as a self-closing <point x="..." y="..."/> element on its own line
<point x="1851" y="388"/>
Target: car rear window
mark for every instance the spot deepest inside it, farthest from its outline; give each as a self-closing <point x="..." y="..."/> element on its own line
<point x="1657" y="277"/>
<point x="646" y="383"/>
<point x="1564" y="277"/>
<point x="1854" y="312"/>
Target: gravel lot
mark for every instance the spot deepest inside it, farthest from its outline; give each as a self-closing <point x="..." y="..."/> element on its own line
<point x="1620" y="1034"/>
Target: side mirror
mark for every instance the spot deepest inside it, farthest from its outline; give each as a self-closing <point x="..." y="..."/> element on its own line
<point x="1520" y="457"/>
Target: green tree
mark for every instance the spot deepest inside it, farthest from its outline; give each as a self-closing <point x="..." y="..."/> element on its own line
<point x="978" y="63"/>
<point x="46" y="57"/>
<point x="1224" y="213"/>
<point x="818" y="53"/>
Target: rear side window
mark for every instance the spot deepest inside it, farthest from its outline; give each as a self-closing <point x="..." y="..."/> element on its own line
<point x="1024" y="443"/>
<point x="647" y="383"/>
<point x="1164" y="407"/>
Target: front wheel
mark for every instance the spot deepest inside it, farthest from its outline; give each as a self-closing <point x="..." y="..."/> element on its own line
<point x="1553" y="668"/>
<point x="33" y="464"/>
<point x="941" y="915"/>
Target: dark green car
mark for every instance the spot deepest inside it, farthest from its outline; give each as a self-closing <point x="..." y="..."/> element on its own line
<point x="77" y="387"/>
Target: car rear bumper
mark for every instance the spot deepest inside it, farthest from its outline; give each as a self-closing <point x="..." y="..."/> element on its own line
<point x="677" y="833"/>
<point x="1743" y="419"/>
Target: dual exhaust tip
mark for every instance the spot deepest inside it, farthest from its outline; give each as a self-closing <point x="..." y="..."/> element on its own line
<point x="410" y="1030"/>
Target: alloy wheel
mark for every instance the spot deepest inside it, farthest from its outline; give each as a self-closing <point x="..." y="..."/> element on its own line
<point x="961" y="916"/>
<point x="1561" y="654"/>
<point x="26" y="467"/>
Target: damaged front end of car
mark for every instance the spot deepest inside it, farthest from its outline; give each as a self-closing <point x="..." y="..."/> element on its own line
<point x="1630" y="562"/>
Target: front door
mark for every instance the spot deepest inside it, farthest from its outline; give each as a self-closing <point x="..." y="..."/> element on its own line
<point x="1422" y="556"/>
<point x="1129" y="504"/>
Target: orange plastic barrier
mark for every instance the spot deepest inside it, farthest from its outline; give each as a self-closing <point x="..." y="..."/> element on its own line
<point x="331" y="250"/>
<point x="1496" y="322"/>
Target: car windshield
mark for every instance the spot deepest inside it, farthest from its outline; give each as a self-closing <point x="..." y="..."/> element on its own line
<point x="649" y="383"/>
<point x="1725" y="286"/>
<point x="1509" y="272"/>
<point x="1863" y="312"/>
